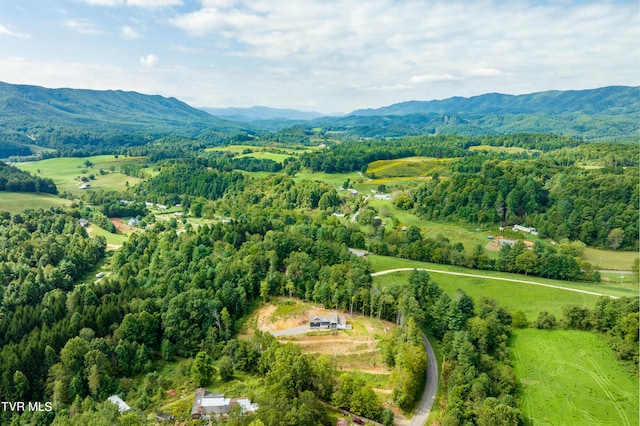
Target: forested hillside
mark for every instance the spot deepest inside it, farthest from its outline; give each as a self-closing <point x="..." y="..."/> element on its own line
<point x="69" y="119"/>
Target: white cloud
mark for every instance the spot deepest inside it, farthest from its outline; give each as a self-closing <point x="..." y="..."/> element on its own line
<point x="485" y="73"/>
<point x="6" y="31"/>
<point x="153" y="4"/>
<point x="83" y="26"/>
<point x="130" y="33"/>
<point x="146" y="4"/>
<point x="432" y="78"/>
<point x="148" y="61"/>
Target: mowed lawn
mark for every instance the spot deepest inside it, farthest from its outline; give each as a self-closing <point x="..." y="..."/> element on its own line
<point x="572" y="377"/>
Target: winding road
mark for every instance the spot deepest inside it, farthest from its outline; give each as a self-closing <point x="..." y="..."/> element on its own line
<point x="461" y="274"/>
<point x="431" y="386"/>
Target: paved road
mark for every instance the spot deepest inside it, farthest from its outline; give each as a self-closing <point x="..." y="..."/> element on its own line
<point x="430" y="388"/>
<point x="391" y="271"/>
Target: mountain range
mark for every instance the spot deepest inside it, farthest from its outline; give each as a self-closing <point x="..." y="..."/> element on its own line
<point x="81" y="119"/>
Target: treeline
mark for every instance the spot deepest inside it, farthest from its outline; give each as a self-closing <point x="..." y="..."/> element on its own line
<point x="616" y="319"/>
<point x="548" y="261"/>
<point x="13" y="179"/>
<point x="479" y="384"/>
<point x="14" y="144"/>
<point x="561" y="202"/>
<point x="190" y="180"/>
<point x="355" y="155"/>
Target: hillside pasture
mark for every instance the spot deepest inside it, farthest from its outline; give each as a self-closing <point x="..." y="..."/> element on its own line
<point x="263" y="155"/>
<point x="407" y="167"/>
<point x="571" y="377"/>
<point x="609" y="259"/>
<point x="67" y="172"/>
<point x="514" y="296"/>
<point x="15" y="202"/>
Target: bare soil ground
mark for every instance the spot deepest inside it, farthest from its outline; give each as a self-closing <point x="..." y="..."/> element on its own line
<point x="121" y="227"/>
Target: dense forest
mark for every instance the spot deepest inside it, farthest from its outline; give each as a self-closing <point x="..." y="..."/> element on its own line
<point x="16" y="180"/>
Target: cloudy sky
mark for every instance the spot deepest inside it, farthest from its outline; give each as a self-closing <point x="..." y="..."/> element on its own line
<point x="322" y="55"/>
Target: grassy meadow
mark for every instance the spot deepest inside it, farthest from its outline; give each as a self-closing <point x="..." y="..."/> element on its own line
<point x="609" y="259"/>
<point x="407" y="167"/>
<point x="571" y="377"/>
<point x="66" y="172"/>
<point x="514" y="296"/>
<point x="15" y="202"/>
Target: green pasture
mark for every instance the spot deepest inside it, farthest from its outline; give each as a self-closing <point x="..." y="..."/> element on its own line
<point x="530" y="299"/>
<point x="571" y="377"/>
<point x="16" y="202"/>
<point x="407" y="167"/>
<point x="112" y="239"/>
<point x="263" y="155"/>
<point x="455" y="233"/>
<point x="609" y="259"/>
<point x="514" y="296"/>
<point x="333" y="179"/>
<point x="66" y="172"/>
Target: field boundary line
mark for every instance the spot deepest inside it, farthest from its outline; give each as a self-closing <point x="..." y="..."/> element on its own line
<point x="462" y="274"/>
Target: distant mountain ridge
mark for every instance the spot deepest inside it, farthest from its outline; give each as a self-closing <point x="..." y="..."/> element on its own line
<point x="606" y="100"/>
<point x="82" y="117"/>
<point x="256" y="113"/>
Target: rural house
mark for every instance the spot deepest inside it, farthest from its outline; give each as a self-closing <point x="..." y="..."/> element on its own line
<point x="331" y="321"/>
<point x="206" y="404"/>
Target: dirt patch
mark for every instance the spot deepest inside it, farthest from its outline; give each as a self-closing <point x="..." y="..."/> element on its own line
<point x="121" y="227"/>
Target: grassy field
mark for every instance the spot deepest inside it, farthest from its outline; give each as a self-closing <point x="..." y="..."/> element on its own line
<point x="571" y="377"/>
<point x="278" y="158"/>
<point x="609" y="259"/>
<point x="16" y="202"/>
<point x="334" y="179"/>
<point x="407" y="167"/>
<point x="67" y="172"/>
<point x="514" y="296"/>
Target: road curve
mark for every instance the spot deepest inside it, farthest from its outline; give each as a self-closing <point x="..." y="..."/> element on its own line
<point x="391" y="271"/>
<point x="430" y="387"/>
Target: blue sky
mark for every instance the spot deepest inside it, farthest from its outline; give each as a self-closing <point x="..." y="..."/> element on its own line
<point x="322" y="55"/>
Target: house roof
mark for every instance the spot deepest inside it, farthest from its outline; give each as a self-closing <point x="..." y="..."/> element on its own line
<point x="122" y="406"/>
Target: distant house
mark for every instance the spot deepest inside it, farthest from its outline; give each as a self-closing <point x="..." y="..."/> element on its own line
<point x="148" y="204"/>
<point x="161" y="207"/>
<point x="532" y="231"/>
<point x="133" y="222"/>
<point x="85" y="186"/>
<point x="83" y="222"/>
<point x="385" y="197"/>
<point x="100" y="274"/>
<point x="342" y="422"/>
<point x="352" y="191"/>
<point x="337" y="214"/>
<point x="122" y="406"/>
<point x="505" y="241"/>
<point x="331" y="322"/>
<point x="206" y="404"/>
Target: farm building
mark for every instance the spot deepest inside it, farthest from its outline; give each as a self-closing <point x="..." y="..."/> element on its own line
<point x="532" y="231"/>
<point x="122" y="406"/>
<point x="206" y="403"/>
